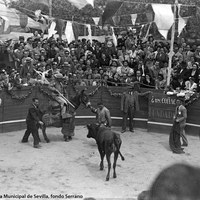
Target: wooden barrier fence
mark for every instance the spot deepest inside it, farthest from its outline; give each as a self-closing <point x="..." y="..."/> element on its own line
<point x="155" y="114"/>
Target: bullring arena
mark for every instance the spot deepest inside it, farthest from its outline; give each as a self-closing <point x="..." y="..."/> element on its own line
<point x="70" y="170"/>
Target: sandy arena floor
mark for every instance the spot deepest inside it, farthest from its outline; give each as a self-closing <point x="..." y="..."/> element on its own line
<point x="72" y="168"/>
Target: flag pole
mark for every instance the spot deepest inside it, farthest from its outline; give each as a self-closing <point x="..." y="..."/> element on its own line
<point x="171" y="53"/>
<point x="50" y="8"/>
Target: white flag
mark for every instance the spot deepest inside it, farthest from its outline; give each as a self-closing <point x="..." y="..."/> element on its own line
<point x="6" y="23"/>
<point x="89" y="32"/>
<point x="114" y="37"/>
<point x="81" y="3"/>
<point x="69" y="33"/>
<point x="181" y="21"/>
<point x="133" y="18"/>
<point x="52" y="30"/>
<point x="96" y="20"/>
<point x="164" y="17"/>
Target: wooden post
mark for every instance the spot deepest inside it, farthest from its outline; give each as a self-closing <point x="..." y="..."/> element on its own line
<point x="171" y="53"/>
<point x="50" y="8"/>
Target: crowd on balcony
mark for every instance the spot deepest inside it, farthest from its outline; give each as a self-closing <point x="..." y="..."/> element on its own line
<point x="40" y="60"/>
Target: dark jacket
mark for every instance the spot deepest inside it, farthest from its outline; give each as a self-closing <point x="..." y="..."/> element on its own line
<point x="33" y="116"/>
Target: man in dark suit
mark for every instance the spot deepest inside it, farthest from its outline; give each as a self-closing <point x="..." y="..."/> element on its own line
<point x="130" y="104"/>
<point x="33" y="121"/>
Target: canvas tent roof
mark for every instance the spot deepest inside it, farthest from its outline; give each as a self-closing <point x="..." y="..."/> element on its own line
<point x="13" y="16"/>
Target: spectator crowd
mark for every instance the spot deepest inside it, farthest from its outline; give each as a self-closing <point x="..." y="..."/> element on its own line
<point x="40" y="60"/>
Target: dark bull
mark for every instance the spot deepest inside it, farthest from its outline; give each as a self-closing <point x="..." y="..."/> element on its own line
<point x="108" y="142"/>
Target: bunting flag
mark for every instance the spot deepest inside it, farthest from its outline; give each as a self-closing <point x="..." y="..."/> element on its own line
<point x="6" y="23"/>
<point x="141" y="29"/>
<point x="114" y="37"/>
<point x="52" y="30"/>
<point x="45" y="2"/>
<point x="149" y="16"/>
<point x="89" y="32"/>
<point x="147" y="33"/>
<point x="81" y="3"/>
<point x="111" y="8"/>
<point x="116" y="19"/>
<point x="133" y="18"/>
<point x="182" y="21"/>
<point x="76" y="28"/>
<point x="164" y="17"/>
<point x="69" y="33"/>
<point x="59" y="26"/>
<point x="96" y="20"/>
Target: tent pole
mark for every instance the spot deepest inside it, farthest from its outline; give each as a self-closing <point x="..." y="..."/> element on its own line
<point x="171" y="53"/>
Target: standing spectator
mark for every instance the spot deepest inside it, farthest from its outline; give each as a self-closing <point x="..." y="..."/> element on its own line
<point x="18" y="55"/>
<point x="27" y="68"/>
<point x="161" y="57"/>
<point x="33" y="121"/>
<point x="128" y="106"/>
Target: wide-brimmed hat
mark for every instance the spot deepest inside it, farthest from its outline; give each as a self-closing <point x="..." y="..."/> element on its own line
<point x="28" y="59"/>
<point x="58" y="75"/>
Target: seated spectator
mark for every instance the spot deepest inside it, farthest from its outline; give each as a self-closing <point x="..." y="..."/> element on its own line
<point x="194" y="72"/>
<point x="89" y="80"/>
<point x="4" y="79"/>
<point x="198" y="85"/>
<point x="160" y="83"/>
<point x="123" y="55"/>
<point x="197" y="54"/>
<point x="125" y="69"/>
<point x="104" y="60"/>
<point x="191" y="85"/>
<point x="96" y="81"/>
<point x="139" y="77"/>
<point x="154" y="70"/>
<point x="148" y="82"/>
<point x="18" y="81"/>
<point x="183" y="72"/>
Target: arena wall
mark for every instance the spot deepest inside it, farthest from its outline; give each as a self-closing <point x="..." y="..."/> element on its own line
<point x="155" y="114"/>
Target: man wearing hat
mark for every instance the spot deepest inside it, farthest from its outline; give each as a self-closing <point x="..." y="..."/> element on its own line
<point x="57" y="92"/>
<point x="130" y="104"/>
<point x="102" y="115"/>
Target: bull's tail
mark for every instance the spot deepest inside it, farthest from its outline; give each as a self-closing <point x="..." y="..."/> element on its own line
<point x="117" y="142"/>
